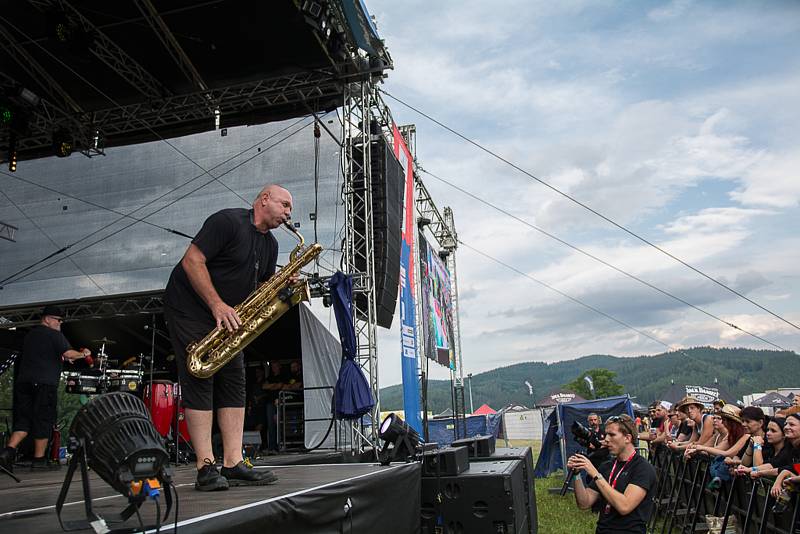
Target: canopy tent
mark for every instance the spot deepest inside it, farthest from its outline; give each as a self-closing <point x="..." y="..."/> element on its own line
<point x="773" y="400"/>
<point x="484" y="410"/>
<point x="558" y="441"/>
<point x="557" y="396"/>
<point x="705" y="394"/>
<point x="441" y="431"/>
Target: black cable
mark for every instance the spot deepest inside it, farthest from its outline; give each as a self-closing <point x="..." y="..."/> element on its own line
<point x="177" y="505"/>
<point x="75" y="263"/>
<point x="588" y="208"/>
<point x="596" y="258"/>
<point x="565" y="295"/>
<point x="164" y="195"/>
<point x="158" y="516"/>
<point x="134" y="222"/>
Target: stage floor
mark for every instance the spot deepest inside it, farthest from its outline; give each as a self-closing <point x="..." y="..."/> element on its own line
<point x="307" y="498"/>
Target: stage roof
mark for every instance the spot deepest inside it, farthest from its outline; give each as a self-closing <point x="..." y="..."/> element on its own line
<point x="104" y="74"/>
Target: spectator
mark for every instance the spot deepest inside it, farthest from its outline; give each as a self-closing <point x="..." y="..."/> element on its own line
<point x="703" y="429"/>
<point x="733" y="445"/>
<point x="717" y="405"/>
<point x="765" y="454"/>
<point x="686" y="426"/>
<point x="755" y="423"/>
<point x="789" y="454"/>
<point x="659" y="427"/>
<point x="674" y="425"/>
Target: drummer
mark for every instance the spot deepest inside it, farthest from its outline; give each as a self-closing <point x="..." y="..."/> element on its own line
<point x="36" y="386"/>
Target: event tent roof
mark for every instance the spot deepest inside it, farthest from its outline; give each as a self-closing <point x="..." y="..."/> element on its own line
<point x="557" y="396"/>
<point x="773" y="400"/>
<point x="705" y="394"/>
<point x="484" y="410"/>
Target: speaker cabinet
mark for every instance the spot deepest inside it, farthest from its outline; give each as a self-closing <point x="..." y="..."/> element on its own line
<point x="444" y="462"/>
<point x="387" y="187"/>
<point x="525" y="455"/>
<point x="488" y="498"/>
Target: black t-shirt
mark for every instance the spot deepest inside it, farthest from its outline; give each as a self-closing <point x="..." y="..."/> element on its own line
<point x="282" y="378"/>
<point x="238" y="258"/>
<point x="684" y="429"/>
<point x="639" y="472"/>
<point x="787" y="457"/>
<point x="41" y="356"/>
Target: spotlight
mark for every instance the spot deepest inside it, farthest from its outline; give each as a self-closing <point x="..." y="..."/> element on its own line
<point x="62" y="143"/>
<point x="29" y="96"/>
<point x="12" y="153"/>
<point x="6" y="114"/>
<point x="113" y="435"/>
<point x="403" y="439"/>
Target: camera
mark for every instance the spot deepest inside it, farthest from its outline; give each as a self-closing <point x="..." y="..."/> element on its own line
<point x="585" y="437"/>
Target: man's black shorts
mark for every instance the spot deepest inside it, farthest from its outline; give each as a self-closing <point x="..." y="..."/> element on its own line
<point x="35" y="409"/>
<point x="225" y="389"/>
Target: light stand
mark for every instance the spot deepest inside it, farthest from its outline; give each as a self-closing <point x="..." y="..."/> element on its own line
<point x="400" y="440"/>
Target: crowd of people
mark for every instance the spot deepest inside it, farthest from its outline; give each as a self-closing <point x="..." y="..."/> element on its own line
<point x="738" y="441"/>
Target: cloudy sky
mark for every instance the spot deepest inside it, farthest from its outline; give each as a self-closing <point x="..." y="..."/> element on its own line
<point x="677" y="119"/>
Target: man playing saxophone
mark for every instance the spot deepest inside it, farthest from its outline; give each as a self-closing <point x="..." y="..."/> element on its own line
<point x="231" y="255"/>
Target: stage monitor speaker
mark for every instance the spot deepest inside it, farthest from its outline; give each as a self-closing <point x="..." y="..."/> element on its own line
<point x="489" y="497"/>
<point x="449" y="461"/>
<point x="525" y="455"/>
<point x="479" y="446"/>
<point x="387" y="219"/>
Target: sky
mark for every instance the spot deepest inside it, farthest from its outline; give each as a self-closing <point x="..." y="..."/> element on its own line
<point x="675" y="119"/>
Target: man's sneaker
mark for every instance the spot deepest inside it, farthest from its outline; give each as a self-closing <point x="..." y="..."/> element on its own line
<point x="243" y="474"/>
<point x="7" y="457"/>
<point x="40" y="464"/>
<point x="209" y="479"/>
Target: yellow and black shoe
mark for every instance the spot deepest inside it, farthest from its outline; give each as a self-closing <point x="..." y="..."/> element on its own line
<point x="243" y="474"/>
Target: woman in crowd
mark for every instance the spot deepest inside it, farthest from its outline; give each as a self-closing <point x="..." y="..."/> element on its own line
<point x="755" y="424"/>
<point x="787" y="480"/>
<point x="763" y="454"/>
<point x="788" y="455"/>
<point x="733" y="445"/>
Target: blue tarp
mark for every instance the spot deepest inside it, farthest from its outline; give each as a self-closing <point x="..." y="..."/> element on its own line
<point x="441" y="430"/>
<point x="550" y="456"/>
<point x="353" y="396"/>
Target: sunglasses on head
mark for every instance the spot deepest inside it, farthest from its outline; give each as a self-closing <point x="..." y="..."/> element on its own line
<point x="59" y="319"/>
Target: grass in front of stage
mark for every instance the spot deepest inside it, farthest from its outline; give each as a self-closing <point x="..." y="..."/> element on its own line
<point x="557" y="515"/>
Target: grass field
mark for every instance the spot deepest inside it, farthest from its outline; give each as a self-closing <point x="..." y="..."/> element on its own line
<point x="557" y="515"/>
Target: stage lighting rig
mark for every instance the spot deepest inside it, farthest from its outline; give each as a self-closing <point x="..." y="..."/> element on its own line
<point x="400" y="441"/>
<point x="12" y="153"/>
<point x="113" y="435"/>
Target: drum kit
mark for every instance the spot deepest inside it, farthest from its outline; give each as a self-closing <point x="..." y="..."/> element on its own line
<point x="161" y="397"/>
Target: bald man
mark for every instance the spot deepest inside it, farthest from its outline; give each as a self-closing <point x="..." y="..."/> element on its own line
<point x="232" y="254"/>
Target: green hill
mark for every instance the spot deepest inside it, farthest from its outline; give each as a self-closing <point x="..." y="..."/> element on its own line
<point x="740" y="371"/>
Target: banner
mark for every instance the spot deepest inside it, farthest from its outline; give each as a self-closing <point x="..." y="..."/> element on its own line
<point x="408" y="315"/>
<point x="437" y="306"/>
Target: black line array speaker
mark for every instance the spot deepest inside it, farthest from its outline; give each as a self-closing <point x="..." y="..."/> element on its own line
<point x="488" y="498"/>
<point x="445" y="461"/>
<point x="387" y="185"/>
<point x="525" y="455"/>
<point x="478" y="446"/>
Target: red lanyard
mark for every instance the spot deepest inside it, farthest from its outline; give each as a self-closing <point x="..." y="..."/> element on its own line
<point x="612" y="480"/>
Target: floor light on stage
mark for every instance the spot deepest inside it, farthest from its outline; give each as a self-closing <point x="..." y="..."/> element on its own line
<point x="62" y="143"/>
<point x="113" y="435"/>
<point x="400" y="441"/>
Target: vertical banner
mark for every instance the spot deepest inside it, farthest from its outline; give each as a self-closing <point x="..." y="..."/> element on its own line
<point x="408" y="319"/>
<point x="436" y="306"/>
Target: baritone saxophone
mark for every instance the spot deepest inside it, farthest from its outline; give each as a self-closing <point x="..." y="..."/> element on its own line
<point x="258" y="312"/>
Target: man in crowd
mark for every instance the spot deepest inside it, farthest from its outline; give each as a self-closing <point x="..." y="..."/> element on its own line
<point x="36" y="386"/>
<point x="659" y="425"/>
<point x="231" y="255"/>
<point x="622" y="488"/>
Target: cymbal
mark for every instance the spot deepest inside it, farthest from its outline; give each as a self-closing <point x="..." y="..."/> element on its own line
<point x="104" y="341"/>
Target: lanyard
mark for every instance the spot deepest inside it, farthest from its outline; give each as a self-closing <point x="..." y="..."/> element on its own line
<point x="612" y="480"/>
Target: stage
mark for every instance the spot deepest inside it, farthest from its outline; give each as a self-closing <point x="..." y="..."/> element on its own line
<point x="336" y="498"/>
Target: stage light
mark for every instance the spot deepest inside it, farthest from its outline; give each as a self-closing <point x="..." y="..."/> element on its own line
<point x="62" y="143"/>
<point x="113" y="435"/>
<point x="12" y="153"/>
<point x="6" y="115"/>
<point x="29" y="96"/>
<point x="400" y="440"/>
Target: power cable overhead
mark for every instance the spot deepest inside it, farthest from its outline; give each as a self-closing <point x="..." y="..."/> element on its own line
<point x="600" y="260"/>
<point x="570" y="297"/>
<point x="589" y="208"/>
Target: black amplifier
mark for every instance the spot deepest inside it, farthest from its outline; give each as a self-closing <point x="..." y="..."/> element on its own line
<point x="488" y="498"/>
<point x="447" y="461"/>
<point x="526" y="456"/>
<point x="479" y="446"/>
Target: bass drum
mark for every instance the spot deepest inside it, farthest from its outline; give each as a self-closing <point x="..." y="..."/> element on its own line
<point x="162" y="403"/>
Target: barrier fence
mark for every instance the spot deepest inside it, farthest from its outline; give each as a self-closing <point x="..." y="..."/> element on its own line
<point x="684" y="504"/>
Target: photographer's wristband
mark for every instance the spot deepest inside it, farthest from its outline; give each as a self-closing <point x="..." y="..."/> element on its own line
<point x="599" y="476"/>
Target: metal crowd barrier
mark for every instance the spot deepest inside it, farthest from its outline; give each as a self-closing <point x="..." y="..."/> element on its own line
<point x="682" y="500"/>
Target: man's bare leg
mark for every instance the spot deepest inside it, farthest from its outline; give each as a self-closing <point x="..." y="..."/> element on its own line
<point x="16" y="438"/>
<point x="231" y="424"/>
<point x="39" y="447"/>
<point x="198" y="423"/>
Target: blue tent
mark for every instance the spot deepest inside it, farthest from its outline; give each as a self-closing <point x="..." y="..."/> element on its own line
<point x="550" y="458"/>
<point x="440" y="431"/>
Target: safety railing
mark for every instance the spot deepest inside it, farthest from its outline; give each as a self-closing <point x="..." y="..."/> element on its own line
<point x="293" y="402"/>
<point x="683" y="501"/>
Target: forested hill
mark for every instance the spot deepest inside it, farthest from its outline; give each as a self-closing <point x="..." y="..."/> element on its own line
<point x="740" y="371"/>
